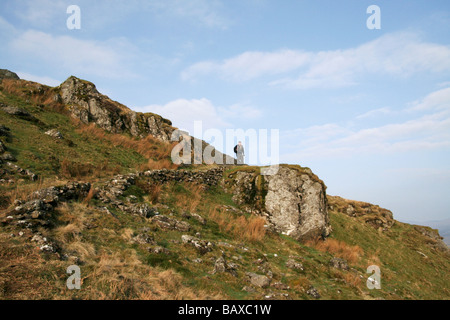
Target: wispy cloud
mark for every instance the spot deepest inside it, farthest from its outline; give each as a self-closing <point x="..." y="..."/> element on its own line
<point x="375" y="113"/>
<point x="183" y="113"/>
<point x="208" y="13"/>
<point x="249" y="65"/>
<point x="438" y="100"/>
<point x="399" y="55"/>
<point x="421" y="132"/>
<point x="106" y="59"/>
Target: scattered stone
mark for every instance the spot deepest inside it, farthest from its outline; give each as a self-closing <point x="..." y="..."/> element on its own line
<point x="258" y="280"/>
<point x="196" y="216"/>
<point x="141" y="209"/>
<point x="422" y="254"/>
<point x="44" y="244"/>
<point x="54" y="133"/>
<point x="294" y="265"/>
<point x="19" y="170"/>
<point x="132" y="199"/>
<point x="17" y="112"/>
<point x="339" y="263"/>
<point x="224" y="244"/>
<point x="206" y="178"/>
<point x="2" y="147"/>
<point x="4" y="131"/>
<point x="143" y="238"/>
<point x="221" y="266"/>
<point x="171" y="224"/>
<point x="37" y="212"/>
<point x="313" y="292"/>
<point x="280" y="286"/>
<point x="201" y="245"/>
<point x="7" y="157"/>
<point x="159" y="250"/>
<point x="248" y="289"/>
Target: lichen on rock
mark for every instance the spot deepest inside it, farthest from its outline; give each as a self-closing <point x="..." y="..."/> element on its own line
<point x="293" y="200"/>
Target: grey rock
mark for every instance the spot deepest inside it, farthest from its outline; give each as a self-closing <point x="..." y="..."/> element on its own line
<point x="54" y="133"/>
<point x="6" y="74"/>
<point x="7" y="157"/>
<point x="15" y="111"/>
<point x="292" y="264"/>
<point x="293" y="200"/>
<point x="171" y="224"/>
<point x="258" y="280"/>
<point x="339" y="263"/>
<point x="221" y="265"/>
<point x="202" y="246"/>
<point x="280" y="286"/>
<point x="88" y="105"/>
<point x="143" y="238"/>
<point x="313" y="292"/>
<point x="159" y="250"/>
<point x="4" y="131"/>
<point x="141" y="209"/>
<point x="195" y="216"/>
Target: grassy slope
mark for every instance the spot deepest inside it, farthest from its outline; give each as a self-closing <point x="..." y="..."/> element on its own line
<point x="114" y="267"/>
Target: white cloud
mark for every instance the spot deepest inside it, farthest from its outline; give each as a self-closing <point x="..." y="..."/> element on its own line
<point x="438" y="100"/>
<point x="249" y="65"/>
<point x="105" y="59"/>
<point x="42" y="13"/>
<point x="208" y="13"/>
<point x="375" y="113"/>
<point x="398" y="54"/>
<point x="423" y="132"/>
<point x="183" y="113"/>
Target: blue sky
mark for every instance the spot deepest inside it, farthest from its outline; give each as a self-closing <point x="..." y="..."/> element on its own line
<point x="367" y="110"/>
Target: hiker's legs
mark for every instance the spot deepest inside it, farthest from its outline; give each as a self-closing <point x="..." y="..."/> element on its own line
<point x="240" y="158"/>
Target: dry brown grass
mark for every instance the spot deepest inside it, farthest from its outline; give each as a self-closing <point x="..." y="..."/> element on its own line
<point x="69" y="234"/>
<point x="156" y="151"/>
<point x="123" y="276"/>
<point x="191" y="200"/>
<point x="157" y="165"/>
<point x="86" y="171"/>
<point x="243" y="228"/>
<point x="35" y="92"/>
<point x="89" y="196"/>
<point x="19" y="265"/>
<point x="24" y="191"/>
<point x="338" y="248"/>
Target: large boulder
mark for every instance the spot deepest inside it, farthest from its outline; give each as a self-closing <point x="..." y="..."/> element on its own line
<point x="293" y="200"/>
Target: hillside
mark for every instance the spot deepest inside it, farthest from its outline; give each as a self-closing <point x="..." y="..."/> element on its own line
<point x="86" y="181"/>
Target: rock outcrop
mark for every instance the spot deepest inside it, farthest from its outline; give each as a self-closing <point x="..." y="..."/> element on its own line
<point x="374" y="215"/>
<point x="293" y="200"/>
<point x="6" y="74"/>
<point x="88" y="105"/>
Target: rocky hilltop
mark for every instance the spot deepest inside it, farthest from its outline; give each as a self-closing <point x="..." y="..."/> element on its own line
<point x="85" y="180"/>
<point x="88" y="105"/>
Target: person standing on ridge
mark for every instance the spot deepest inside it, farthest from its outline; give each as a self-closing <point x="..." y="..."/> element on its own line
<point x="239" y="150"/>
